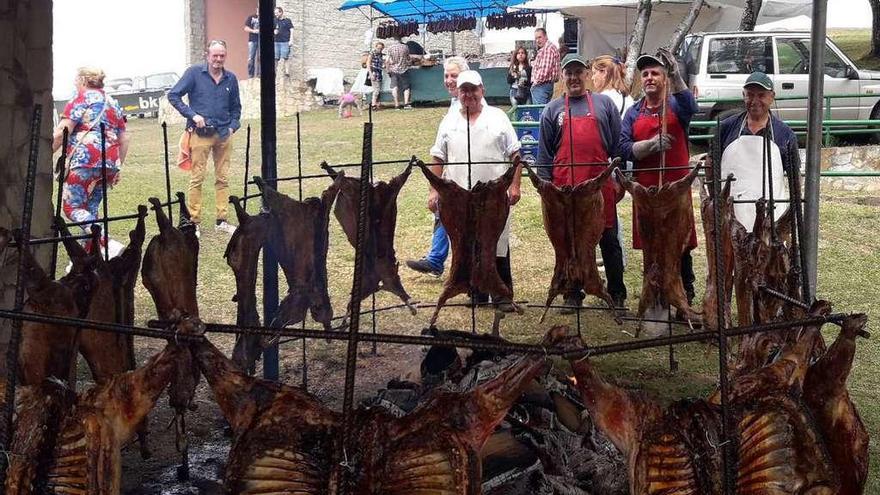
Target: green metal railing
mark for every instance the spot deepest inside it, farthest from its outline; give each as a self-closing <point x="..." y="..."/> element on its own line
<point x="862" y="126"/>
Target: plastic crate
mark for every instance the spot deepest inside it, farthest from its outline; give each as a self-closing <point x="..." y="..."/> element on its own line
<point x="529" y="153"/>
<point x="527" y="132"/>
<point x="527" y="113"/>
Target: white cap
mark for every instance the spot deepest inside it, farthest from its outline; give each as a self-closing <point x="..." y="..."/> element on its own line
<point x="469" y="77"/>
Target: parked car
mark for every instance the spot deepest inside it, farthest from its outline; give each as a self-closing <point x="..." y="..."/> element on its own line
<point x="718" y="64"/>
<point x="119" y="85"/>
<point x="160" y="81"/>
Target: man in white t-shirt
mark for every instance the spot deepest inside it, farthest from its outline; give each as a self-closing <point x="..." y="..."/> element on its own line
<point x="432" y="263"/>
<point x="482" y="135"/>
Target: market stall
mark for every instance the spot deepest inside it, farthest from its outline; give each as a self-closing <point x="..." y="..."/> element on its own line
<point x="411" y="19"/>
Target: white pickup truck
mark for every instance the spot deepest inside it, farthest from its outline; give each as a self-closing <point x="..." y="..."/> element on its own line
<point x="717" y="65"/>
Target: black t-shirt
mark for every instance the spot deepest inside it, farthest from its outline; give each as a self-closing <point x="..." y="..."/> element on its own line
<point x="284" y="26"/>
<point x="253" y="22"/>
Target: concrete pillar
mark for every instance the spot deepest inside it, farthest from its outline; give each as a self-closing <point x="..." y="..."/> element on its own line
<point x="26" y="68"/>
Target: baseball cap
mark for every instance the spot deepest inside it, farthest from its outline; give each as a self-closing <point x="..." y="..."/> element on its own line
<point x="646" y="60"/>
<point x="758" y="78"/>
<point x="469" y="77"/>
<point x="574" y="58"/>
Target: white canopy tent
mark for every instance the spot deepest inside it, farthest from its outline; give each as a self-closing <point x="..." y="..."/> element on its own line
<point x="605" y="25"/>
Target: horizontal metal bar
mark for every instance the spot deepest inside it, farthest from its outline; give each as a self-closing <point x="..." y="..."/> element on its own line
<point x="568" y="306"/>
<point x="167" y="203"/>
<point x="466" y="305"/>
<point x="753" y="201"/>
<point x="699" y="336"/>
<point x="801" y="123"/>
<point x="378" y="310"/>
<point x="51" y="240"/>
<point x="295" y="177"/>
<point x="102" y="220"/>
<point x="420" y="340"/>
<point x="839" y="173"/>
<point x="100" y="326"/>
<point x="784" y="98"/>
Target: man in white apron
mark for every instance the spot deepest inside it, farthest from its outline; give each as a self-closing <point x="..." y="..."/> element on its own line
<point x="488" y="133"/>
<point x="742" y="137"/>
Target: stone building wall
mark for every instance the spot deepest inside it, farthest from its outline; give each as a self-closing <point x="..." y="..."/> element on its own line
<point x="26" y="65"/>
<point x="324" y="37"/>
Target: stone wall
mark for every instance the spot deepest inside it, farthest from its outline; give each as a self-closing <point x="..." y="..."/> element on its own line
<point x="291" y="97"/>
<point x="324" y="36"/>
<point x="26" y="65"/>
<point x="851" y="159"/>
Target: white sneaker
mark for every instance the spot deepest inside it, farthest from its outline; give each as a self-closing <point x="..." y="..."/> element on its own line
<point x="198" y="232"/>
<point x="224" y="226"/>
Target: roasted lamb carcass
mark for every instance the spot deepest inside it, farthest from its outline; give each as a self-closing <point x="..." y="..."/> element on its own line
<point x="778" y="443"/>
<point x="761" y="261"/>
<point x="838" y="420"/>
<point x="49" y="350"/>
<point x="169" y="273"/>
<point x="284" y="438"/>
<point x="474" y="221"/>
<point x="574" y="220"/>
<point x="380" y="261"/>
<point x="725" y="257"/>
<point x="299" y="236"/>
<point x="68" y="444"/>
<point x="665" y="222"/>
<point x="243" y="255"/>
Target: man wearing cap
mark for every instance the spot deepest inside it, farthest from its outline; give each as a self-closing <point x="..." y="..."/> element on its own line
<point x="432" y="263"/>
<point x="493" y="146"/>
<point x="644" y="142"/>
<point x="581" y="128"/>
<point x="742" y="137"/>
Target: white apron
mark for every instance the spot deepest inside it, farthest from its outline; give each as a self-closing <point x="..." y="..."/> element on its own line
<point x="744" y="158"/>
<point x="486" y="146"/>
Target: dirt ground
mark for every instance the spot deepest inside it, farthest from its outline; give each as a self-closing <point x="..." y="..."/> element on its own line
<point x="209" y="441"/>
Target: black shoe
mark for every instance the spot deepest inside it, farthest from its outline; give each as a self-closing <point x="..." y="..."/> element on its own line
<point x="573" y="303"/>
<point x="422" y="266"/>
<point x="619" y="301"/>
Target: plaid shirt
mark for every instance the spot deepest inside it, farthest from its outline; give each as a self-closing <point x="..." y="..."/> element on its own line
<point x="376" y="63"/>
<point x="545" y="67"/>
<point x="398" y="58"/>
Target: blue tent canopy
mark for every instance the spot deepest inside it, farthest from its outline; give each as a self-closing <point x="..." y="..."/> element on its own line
<point x="426" y="10"/>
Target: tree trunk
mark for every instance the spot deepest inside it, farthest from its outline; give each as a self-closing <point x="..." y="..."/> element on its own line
<point x="875" y="28"/>
<point x="685" y="26"/>
<point x="750" y="15"/>
<point x="637" y="39"/>
<point x="26" y="65"/>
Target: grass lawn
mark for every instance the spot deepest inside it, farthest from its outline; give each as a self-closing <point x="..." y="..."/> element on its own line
<point x="856" y="43"/>
<point x="849" y="256"/>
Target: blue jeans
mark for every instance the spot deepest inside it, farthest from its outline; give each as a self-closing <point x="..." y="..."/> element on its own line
<point x="439" y="246"/>
<point x="253" y="47"/>
<point x="282" y="50"/>
<point x="541" y="93"/>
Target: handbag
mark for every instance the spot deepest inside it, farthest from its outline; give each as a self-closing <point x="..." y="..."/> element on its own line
<point x="522" y="93"/>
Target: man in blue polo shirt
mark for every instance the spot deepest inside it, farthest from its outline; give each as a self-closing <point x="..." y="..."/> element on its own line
<point x="212" y="116"/>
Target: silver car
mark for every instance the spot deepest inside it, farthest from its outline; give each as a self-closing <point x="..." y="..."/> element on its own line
<point x="718" y="64"/>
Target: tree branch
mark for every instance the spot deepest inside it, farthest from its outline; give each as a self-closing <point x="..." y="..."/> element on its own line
<point x="638" y="39"/>
<point x="750" y="15"/>
<point x="685" y="26"/>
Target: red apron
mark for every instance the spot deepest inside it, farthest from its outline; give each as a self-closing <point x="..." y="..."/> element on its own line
<point x="645" y="127"/>
<point x="587" y="148"/>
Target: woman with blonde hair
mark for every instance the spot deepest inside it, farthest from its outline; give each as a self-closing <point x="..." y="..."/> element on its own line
<point x="82" y="118"/>
<point x="609" y="79"/>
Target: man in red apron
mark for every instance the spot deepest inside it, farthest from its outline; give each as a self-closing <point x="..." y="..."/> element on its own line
<point x="643" y="141"/>
<point x="584" y="127"/>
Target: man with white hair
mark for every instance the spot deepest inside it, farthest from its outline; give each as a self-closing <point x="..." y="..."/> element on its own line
<point x="432" y="263"/>
<point x="481" y="134"/>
